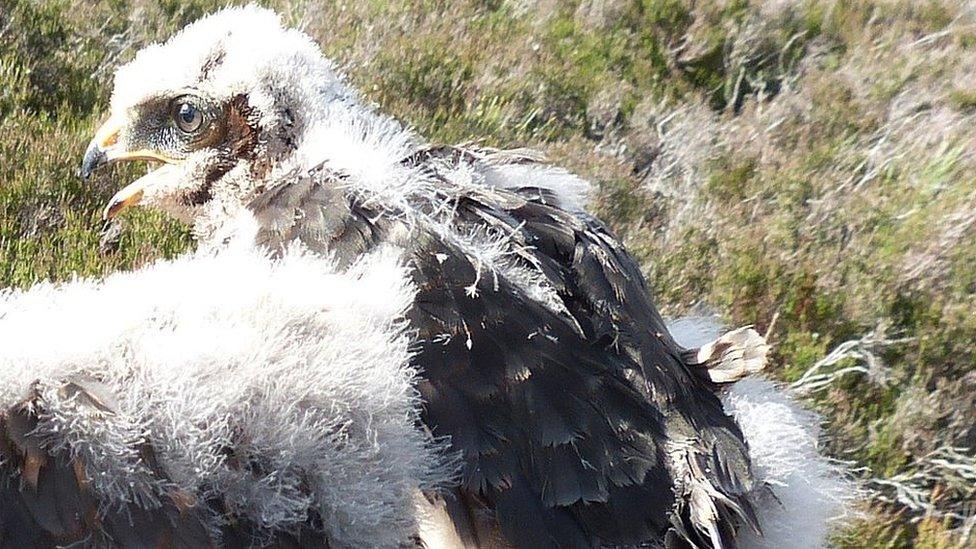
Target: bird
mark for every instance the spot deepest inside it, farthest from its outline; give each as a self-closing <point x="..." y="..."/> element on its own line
<point x="577" y="419"/>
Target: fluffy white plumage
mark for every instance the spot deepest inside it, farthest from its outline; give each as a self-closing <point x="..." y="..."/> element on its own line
<point x="207" y="352"/>
<point x="327" y="126"/>
<point x="254" y="43"/>
<point x="810" y="494"/>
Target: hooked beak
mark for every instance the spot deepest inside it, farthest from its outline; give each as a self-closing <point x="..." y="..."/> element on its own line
<point x="105" y="149"/>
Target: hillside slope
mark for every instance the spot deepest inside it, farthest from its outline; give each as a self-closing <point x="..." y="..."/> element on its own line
<point x="803" y="166"/>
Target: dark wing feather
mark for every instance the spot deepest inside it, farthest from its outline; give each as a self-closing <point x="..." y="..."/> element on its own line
<point x="605" y="292"/>
<point x="583" y="418"/>
<point x="548" y="426"/>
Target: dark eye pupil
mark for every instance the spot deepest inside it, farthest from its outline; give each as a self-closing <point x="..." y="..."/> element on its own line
<point x="188" y="117"/>
<point x="187" y="113"/>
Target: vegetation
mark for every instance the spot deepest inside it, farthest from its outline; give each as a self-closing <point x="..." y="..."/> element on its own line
<point x="804" y="166"/>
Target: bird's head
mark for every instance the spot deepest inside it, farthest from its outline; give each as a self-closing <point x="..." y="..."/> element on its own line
<point x="221" y="104"/>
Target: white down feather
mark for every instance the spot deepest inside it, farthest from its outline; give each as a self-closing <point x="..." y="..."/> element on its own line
<point x="290" y="361"/>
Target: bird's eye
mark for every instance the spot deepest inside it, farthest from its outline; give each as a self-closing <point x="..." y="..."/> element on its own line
<point x="187" y="116"/>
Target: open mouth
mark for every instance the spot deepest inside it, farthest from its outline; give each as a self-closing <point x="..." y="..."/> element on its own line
<point x="105" y="149"/>
<point x="133" y="193"/>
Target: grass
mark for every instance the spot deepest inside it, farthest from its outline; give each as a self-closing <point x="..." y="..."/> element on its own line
<point x="803" y="166"/>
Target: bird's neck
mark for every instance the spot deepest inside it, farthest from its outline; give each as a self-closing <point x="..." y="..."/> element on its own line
<point x="315" y="214"/>
<point x="318" y="194"/>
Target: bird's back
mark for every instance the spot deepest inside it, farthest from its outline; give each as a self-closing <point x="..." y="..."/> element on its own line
<point x="547" y="364"/>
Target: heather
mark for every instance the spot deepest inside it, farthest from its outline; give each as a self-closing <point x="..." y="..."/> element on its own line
<point x="805" y="167"/>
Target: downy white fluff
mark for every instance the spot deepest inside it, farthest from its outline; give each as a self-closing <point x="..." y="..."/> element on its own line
<point x="809" y="494"/>
<point x="291" y="362"/>
<point x="313" y="124"/>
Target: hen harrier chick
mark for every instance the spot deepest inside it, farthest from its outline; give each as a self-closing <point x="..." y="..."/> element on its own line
<point x="580" y="422"/>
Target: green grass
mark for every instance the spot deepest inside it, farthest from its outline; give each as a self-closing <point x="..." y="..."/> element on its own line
<point x="811" y="165"/>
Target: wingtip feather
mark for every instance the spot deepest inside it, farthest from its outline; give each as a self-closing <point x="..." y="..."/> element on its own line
<point x="732" y="356"/>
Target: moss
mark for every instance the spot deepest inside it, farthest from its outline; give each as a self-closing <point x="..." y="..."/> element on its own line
<point x="878" y="529"/>
<point x="681" y="278"/>
<point x="429" y="76"/>
<point x="625" y="203"/>
<point x="798" y="351"/>
<point x="37" y="61"/>
<point x="732" y="179"/>
<point x="884" y="454"/>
